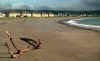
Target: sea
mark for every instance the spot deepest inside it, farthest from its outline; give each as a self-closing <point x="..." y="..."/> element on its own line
<point x="86" y="23"/>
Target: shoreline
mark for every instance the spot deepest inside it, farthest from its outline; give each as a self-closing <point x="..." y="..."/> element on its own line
<point x="73" y="23"/>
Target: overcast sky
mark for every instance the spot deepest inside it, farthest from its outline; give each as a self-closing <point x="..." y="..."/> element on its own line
<point x="48" y="4"/>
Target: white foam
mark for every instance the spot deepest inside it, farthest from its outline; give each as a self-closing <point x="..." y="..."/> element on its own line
<point x="74" y="22"/>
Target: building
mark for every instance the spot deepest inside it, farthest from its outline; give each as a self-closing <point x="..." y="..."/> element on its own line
<point x="14" y="14"/>
<point x="45" y="15"/>
<point x="2" y="14"/>
<point x="35" y="14"/>
<point x="26" y="14"/>
<point x="51" y="15"/>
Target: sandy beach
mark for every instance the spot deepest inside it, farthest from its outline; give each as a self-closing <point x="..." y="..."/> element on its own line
<point x="61" y="42"/>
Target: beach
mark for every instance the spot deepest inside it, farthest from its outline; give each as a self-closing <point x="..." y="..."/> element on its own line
<point x="60" y="42"/>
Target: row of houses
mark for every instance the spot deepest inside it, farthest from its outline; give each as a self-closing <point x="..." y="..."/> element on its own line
<point x="34" y="14"/>
<point x="28" y="13"/>
<point x="25" y="14"/>
<point x="16" y="14"/>
<point x="45" y="13"/>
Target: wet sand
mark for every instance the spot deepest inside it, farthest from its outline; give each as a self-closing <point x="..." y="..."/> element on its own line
<point x="61" y="42"/>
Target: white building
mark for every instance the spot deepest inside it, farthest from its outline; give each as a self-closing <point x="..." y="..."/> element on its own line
<point x="51" y="15"/>
<point x="42" y="15"/>
<point x="36" y="14"/>
<point x="14" y="14"/>
<point x="26" y="15"/>
<point x="45" y="15"/>
<point x="2" y="14"/>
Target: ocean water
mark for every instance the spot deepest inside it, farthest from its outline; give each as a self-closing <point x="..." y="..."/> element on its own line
<point x="87" y="23"/>
<point x="91" y="21"/>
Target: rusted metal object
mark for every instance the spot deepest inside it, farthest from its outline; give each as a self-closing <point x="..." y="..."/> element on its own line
<point x="11" y="40"/>
<point x="35" y="44"/>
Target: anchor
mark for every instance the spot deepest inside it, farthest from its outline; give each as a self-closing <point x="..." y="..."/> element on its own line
<point x="18" y="52"/>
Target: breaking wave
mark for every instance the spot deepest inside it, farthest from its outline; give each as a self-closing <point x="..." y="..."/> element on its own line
<point x="75" y="22"/>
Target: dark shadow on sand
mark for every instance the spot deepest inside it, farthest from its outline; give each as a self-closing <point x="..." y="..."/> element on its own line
<point x="29" y="41"/>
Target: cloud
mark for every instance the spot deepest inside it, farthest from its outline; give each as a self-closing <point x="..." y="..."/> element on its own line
<point x="22" y="6"/>
<point x="51" y="4"/>
<point x="43" y="8"/>
<point x="5" y="5"/>
<point x="91" y="3"/>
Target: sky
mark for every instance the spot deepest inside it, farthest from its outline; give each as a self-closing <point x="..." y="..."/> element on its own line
<point x="51" y="4"/>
